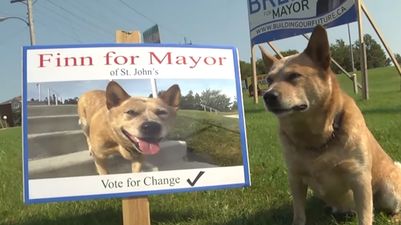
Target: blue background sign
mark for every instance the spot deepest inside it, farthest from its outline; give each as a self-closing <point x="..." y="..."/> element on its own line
<point x="277" y="19"/>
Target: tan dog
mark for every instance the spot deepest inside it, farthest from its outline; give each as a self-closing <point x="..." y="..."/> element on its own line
<point x="113" y="122"/>
<point x="327" y="146"/>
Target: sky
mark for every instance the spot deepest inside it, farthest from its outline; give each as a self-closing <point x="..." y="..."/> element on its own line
<point x="211" y="22"/>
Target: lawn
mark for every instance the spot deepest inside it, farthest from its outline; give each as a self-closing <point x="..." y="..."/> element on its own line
<point x="266" y="202"/>
<point x="210" y="136"/>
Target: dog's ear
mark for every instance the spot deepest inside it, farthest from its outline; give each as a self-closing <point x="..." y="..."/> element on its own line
<point x="268" y="59"/>
<point x="172" y="96"/>
<point x="318" y="48"/>
<point x="115" y="95"/>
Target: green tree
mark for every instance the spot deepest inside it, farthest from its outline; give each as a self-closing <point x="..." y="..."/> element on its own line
<point x="246" y="69"/>
<point x="341" y="53"/>
<point x="398" y="58"/>
<point x="260" y="65"/>
<point x="216" y="100"/>
<point x="374" y="53"/>
<point x="288" y="52"/>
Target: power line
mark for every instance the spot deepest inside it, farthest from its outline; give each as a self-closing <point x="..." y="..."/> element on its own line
<point x="151" y="20"/>
<point x="115" y="10"/>
<point x="11" y="36"/>
<point x="78" y="16"/>
<point x="46" y="24"/>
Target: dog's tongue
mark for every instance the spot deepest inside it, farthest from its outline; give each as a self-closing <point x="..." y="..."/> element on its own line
<point x="148" y="148"/>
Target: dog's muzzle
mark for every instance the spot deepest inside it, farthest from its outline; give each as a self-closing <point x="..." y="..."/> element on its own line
<point x="273" y="103"/>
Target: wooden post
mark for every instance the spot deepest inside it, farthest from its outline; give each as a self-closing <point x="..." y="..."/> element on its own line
<point x="135" y="210"/>
<point x="381" y="37"/>
<point x="255" y="77"/>
<point x="275" y="49"/>
<point x="363" y="60"/>
<point x="128" y="37"/>
<point x="355" y="82"/>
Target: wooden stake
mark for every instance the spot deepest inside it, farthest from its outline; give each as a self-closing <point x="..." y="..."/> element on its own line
<point x="272" y="46"/>
<point x="363" y="60"/>
<point x="255" y="77"/>
<point x="128" y="37"/>
<point x="135" y="210"/>
<point x="381" y="37"/>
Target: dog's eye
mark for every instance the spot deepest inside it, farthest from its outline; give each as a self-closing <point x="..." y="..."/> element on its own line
<point x="161" y="112"/>
<point x="132" y="112"/>
<point x="293" y="76"/>
<point x="269" y="80"/>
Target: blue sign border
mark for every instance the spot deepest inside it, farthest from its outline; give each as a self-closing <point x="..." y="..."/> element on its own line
<point x="241" y="120"/>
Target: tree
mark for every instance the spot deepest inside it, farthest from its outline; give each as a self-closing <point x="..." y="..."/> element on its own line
<point x="398" y="58"/>
<point x="260" y="65"/>
<point x="341" y="53"/>
<point x="246" y="69"/>
<point x="288" y="52"/>
<point x="216" y="100"/>
<point x="374" y="53"/>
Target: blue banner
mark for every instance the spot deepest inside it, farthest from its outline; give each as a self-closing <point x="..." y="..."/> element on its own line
<point x="277" y="19"/>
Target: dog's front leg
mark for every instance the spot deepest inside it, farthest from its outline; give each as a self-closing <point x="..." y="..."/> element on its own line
<point x="361" y="186"/>
<point x="298" y="191"/>
<point x="136" y="166"/>
<point x="101" y="166"/>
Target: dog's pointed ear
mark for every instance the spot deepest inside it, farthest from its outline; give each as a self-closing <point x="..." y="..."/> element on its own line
<point x="115" y="95"/>
<point x="268" y="59"/>
<point x="172" y="96"/>
<point x="318" y="48"/>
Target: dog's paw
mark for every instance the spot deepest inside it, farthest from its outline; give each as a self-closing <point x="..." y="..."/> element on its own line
<point x="340" y="215"/>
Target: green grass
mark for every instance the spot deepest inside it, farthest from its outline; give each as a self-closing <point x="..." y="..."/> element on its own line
<point x="211" y="136"/>
<point x="266" y="202"/>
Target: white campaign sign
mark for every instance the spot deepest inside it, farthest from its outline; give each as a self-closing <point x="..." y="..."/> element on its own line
<point x="57" y="163"/>
<point x="129" y="62"/>
<point x="138" y="182"/>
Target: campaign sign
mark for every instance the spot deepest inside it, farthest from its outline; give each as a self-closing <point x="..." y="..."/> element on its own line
<point x="277" y="19"/>
<point x="93" y="129"/>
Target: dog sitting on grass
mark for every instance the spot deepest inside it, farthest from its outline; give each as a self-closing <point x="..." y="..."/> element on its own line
<point x="327" y="145"/>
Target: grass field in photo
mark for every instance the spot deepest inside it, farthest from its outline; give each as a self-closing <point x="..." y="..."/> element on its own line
<point x="267" y="201"/>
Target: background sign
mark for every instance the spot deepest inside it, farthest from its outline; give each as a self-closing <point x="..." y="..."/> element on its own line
<point x="152" y="35"/>
<point x="277" y="19"/>
<point x="204" y="149"/>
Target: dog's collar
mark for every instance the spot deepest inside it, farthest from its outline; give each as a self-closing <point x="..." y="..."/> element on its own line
<point x="336" y="128"/>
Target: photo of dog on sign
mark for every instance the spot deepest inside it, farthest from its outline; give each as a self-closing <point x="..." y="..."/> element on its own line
<point x="116" y="123"/>
<point x="100" y="127"/>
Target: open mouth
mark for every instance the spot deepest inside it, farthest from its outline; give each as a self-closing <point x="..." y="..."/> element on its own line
<point x="301" y="107"/>
<point x="146" y="146"/>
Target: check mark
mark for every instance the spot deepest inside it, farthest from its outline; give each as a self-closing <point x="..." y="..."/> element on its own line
<point x="192" y="183"/>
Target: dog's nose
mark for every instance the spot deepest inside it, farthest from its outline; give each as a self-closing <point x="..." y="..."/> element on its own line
<point x="151" y="128"/>
<point x="271" y="97"/>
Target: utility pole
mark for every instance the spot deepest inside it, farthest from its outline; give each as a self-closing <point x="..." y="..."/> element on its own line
<point x="30" y="20"/>
<point x="29" y="7"/>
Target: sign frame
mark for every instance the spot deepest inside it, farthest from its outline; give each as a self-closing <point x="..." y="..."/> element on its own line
<point x="242" y="127"/>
